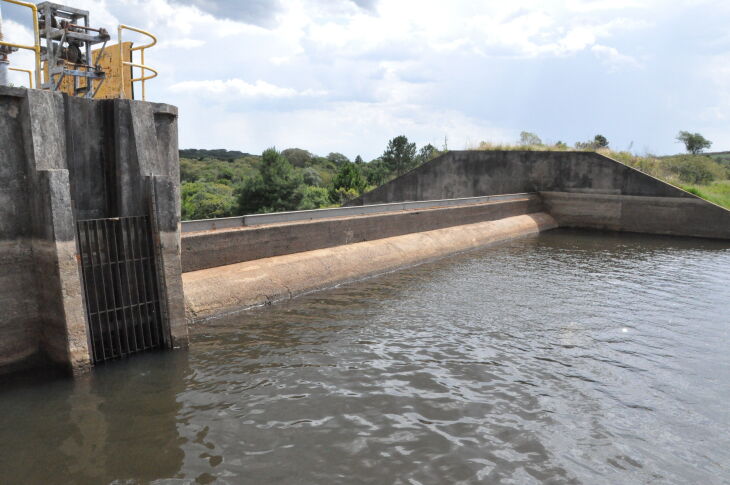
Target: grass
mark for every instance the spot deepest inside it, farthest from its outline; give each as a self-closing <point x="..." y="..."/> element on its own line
<point x="717" y="192"/>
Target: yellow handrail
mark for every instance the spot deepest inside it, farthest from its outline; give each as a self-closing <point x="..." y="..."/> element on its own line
<point x="36" y="38"/>
<point x="28" y="71"/>
<point x="142" y="65"/>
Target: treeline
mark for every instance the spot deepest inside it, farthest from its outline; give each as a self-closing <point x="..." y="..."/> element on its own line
<point x="222" y="183"/>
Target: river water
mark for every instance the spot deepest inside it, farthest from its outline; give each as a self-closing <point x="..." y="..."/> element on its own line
<point x="568" y="357"/>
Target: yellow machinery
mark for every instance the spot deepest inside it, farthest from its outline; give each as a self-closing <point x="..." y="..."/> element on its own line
<point x="68" y="63"/>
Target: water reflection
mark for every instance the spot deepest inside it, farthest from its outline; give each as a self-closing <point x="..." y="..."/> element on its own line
<point x="118" y="423"/>
<point x="567" y="358"/>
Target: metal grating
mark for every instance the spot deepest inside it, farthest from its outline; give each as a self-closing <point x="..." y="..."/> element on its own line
<point x="120" y="284"/>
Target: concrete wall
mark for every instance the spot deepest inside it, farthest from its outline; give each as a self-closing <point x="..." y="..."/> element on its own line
<point x="476" y="173"/>
<point x="676" y="216"/>
<point x="19" y="319"/>
<point x="223" y="247"/>
<point x="64" y="159"/>
<point x="582" y="189"/>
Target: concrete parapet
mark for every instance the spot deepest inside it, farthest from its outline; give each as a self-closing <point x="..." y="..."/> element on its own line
<point x="222" y="247"/>
<point x="226" y="289"/>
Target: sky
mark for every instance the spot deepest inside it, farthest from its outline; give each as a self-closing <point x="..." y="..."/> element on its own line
<point x="348" y="75"/>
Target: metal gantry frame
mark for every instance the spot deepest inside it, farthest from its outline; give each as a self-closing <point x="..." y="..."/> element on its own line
<point x="69" y="38"/>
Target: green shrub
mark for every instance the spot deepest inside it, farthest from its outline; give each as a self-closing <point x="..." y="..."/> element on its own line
<point x="313" y="197"/>
<point x="205" y="200"/>
<point x="694" y="169"/>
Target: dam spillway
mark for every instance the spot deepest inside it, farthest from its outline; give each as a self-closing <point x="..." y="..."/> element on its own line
<point x="69" y="161"/>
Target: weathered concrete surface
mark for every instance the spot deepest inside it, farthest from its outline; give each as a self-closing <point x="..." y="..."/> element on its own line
<point x="645" y="205"/>
<point x="226" y="289"/>
<point x="677" y="216"/>
<point x="476" y="173"/>
<point x="165" y="210"/>
<point x="64" y="159"/>
<point x="222" y="247"/>
<point x="19" y="319"/>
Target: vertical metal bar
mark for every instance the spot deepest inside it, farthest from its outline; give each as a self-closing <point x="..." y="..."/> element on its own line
<point x="98" y="288"/>
<point x="134" y="303"/>
<point x="98" y="341"/>
<point x="110" y="264"/>
<point x="102" y="276"/>
<point x="86" y="268"/>
<point x="132" y="236"/>
<point x="147" y="299"/>
<point x="128" y="283"/>
<point x="120" y="287"/>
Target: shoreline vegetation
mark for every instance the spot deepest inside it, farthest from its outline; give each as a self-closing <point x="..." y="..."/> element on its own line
<point x="222" y="183"/>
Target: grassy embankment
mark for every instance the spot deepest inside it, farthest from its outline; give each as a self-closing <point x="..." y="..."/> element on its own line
<point x="707" y="176"/>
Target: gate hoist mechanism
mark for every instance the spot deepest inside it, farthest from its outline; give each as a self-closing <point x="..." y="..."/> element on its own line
<point x="73" y="57"/>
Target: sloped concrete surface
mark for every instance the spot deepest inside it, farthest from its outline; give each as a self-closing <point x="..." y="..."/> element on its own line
<point x="226" y="289"/>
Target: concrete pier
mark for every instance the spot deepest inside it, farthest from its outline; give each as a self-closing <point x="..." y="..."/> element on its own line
<point x="62" y="160"/>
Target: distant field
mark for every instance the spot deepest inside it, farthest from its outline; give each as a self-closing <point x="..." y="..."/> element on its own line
<point x="717" y="192"/>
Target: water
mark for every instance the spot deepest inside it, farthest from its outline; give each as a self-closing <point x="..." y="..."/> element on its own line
<point x="568" y="357"/>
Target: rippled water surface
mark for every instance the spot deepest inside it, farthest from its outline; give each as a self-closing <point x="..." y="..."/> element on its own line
<point x="569" y="357"/>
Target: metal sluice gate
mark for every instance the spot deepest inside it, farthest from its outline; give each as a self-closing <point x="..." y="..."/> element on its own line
<point x="121" y="287"/>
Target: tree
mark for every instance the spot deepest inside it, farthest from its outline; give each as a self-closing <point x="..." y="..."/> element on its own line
<point x="298" y="157"/>
<point x="600" y="141"/>
<point x="693" y="142"/>
<point x="426" y="154"/>
<point x="337" y="158"/>
<point x="310" y="176"/>
<point x="348" y="180"/>
<point x="274" y="188"/>
<point x="313" y="197"/>
<point x="399" y="156"/>
<point x="529" y="139"/>
<point x="359" y="160"/>
<point x="375" y="172"/>
<point x="205" y="200"/>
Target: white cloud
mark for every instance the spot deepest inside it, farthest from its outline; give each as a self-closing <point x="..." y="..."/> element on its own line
<point x="613" y="58"/>
<point x="240" y="89"/>
<point x="182" y="43"/>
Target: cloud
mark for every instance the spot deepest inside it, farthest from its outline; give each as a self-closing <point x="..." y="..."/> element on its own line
<point x="613" y="58"/>
<point x="238" y="88"/>
<point x="286" y="70"/>
<point x="257" y="12"/>
<point x="182" y="43"/>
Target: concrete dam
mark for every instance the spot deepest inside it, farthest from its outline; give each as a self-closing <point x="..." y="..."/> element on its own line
<point x="97" y="265"/>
